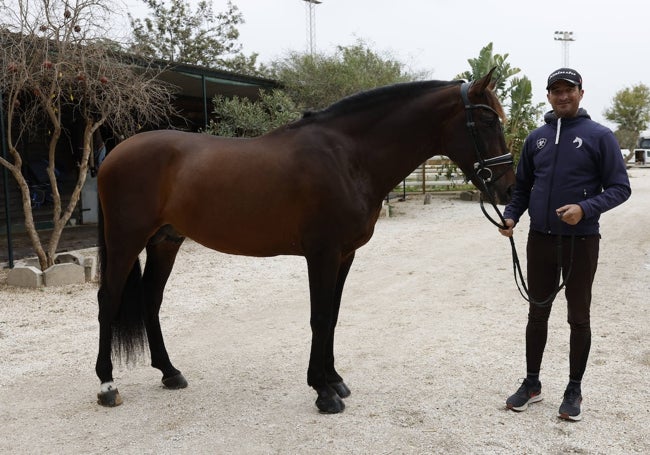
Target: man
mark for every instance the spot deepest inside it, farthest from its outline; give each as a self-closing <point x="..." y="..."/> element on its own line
<point x="570" y="171"/>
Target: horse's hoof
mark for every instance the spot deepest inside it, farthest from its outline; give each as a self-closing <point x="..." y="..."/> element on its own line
<point x="175" y="382"/>
<point x="110" y="398"/>
<point x="329" y="402"/>
<point x="341" y="389"/>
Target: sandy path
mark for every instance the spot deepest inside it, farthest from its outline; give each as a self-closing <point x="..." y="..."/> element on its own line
<point x="430" y="341"/>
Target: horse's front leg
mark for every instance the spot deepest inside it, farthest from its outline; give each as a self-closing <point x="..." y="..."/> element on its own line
<point x="333" y="378"/>
<point x="323" y="279"/>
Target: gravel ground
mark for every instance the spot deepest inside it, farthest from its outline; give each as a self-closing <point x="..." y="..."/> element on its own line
<point x="430" y="340"/>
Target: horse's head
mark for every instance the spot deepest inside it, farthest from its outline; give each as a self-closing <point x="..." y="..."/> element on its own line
<point x="479" y="147"/>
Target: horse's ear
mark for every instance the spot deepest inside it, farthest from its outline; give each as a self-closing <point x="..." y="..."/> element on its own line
<point x="486" y="82"/>
<point x="493" y="80"/>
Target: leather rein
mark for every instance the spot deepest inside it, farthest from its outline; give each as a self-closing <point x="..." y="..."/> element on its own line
<point x="485" y="177"/>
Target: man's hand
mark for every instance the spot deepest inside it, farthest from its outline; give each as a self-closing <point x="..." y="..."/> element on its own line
<point x="510" y="224"/>
<point x="570" y="213"/>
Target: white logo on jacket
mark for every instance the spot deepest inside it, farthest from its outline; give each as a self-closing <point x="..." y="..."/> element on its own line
<point x="578" y="141"/>
<point x="541" y="142"/>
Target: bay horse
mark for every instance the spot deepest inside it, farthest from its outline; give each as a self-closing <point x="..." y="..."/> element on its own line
<point x="313" y="188"/>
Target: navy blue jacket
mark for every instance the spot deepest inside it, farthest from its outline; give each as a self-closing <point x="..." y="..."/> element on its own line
<point x="569" y="161"/>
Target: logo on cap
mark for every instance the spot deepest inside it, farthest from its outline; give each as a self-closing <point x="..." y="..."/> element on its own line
<point x="564" y="74"/>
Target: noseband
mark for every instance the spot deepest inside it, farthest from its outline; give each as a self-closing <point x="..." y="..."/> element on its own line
<point x="483" y="166"/>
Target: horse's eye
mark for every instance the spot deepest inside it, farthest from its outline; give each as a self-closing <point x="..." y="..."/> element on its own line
<point x="490" y="120"/>
<point x="493" y="120"/>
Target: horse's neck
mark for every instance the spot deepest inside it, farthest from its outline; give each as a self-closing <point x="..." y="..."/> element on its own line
<point x="393" y="146"/>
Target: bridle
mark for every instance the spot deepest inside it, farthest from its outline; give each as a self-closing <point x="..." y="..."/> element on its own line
<point x="485" y="177"/>
<point x="482" y="168"/>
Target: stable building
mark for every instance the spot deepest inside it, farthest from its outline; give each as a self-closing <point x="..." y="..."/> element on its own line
<point x="196" y="87"/>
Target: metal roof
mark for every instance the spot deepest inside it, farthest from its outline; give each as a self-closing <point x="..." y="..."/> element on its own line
<point x="197" y="86"/>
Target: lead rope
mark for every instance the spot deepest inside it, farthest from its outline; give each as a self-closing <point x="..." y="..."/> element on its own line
<point x="517" y="272"/>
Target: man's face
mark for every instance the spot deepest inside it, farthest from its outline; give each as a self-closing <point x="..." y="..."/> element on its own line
<point x="564" y="98"/>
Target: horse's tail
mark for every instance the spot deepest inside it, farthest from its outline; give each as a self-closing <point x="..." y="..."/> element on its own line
<point x="128" y="326"/>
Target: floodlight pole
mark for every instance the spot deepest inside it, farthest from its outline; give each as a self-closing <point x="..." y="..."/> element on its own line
<point x="565" y="38"/>
<point x="311" y="20"/>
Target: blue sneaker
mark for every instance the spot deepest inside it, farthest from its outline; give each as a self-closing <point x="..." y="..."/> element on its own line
<point x="528" y="392"/>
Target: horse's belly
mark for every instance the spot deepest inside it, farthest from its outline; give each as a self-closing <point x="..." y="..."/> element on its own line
<point x="254" y="239"/>
<point x="270" y="222"/>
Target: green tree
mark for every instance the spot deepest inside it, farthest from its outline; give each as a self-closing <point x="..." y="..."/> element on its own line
<point x="241" y="117"/>
<point x="54" y="65"/>
<point x="177" y="33"/>
<point x="316" y="81"/>
<point x="515" y="94"/>
<point x="523" y="115"/>
<point x="309" y="82"/>
<point x="630" y="110"/>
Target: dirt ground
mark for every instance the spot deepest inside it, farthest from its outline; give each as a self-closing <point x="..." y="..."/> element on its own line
<point x="430" y="340"/>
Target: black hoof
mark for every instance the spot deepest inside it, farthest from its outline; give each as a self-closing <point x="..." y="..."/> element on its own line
<point x="328" y="401"/>
<point x="177" y="381"/>
<point x="110" y="398"/>
<point x="341" y="389"/>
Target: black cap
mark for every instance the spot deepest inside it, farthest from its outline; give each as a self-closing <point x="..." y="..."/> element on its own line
<point x="564" y="74"/>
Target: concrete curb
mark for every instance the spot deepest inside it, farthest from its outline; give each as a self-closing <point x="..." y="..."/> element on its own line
<point x="470" y="196"/>
<point x="69" y="268"/>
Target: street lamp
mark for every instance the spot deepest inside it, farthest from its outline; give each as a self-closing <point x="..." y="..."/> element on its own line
<point x="311" y="15"/>
<point x="565" y="38"/>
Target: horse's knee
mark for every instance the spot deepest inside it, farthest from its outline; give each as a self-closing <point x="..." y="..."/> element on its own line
<point x="320" y="320"/>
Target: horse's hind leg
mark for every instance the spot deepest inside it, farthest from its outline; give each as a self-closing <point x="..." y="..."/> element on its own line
<point x="161" y="254"/>
<point x="108" y="394"/>
<point x="121" y="269"/>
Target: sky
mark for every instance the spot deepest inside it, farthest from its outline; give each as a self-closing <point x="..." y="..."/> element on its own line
<point x="611" y="47"/>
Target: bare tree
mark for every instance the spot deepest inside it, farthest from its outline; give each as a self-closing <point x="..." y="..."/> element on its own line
<point x="54" y="61"/>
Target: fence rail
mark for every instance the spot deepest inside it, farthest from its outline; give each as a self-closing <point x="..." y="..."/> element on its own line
<point x="437" y="173"/>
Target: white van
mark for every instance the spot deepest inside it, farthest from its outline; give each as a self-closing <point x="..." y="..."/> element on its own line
<point x="642" y="152"/>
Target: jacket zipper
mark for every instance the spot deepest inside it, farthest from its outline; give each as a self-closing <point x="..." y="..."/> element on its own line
<point x="550" y="189"/>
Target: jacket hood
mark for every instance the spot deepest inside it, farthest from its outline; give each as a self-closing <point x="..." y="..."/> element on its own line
<point x="550" y="116"/>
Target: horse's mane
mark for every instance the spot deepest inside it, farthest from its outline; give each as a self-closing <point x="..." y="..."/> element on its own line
<point x="369" y="98"/>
